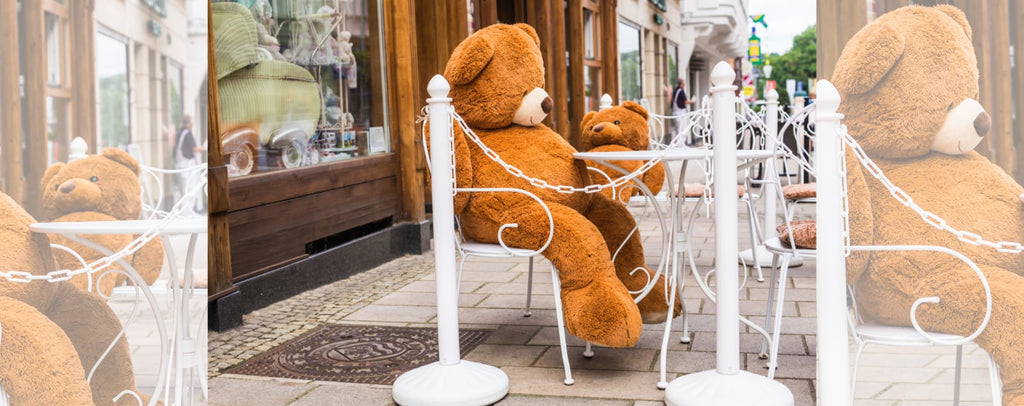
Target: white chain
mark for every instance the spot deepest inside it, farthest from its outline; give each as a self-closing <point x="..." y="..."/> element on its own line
<point x="929" y="217"/>
<point x="107" y="261"/>
<point x="845" y="193"/>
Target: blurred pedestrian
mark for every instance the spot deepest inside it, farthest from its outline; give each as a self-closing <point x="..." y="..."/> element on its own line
<point x="186" y="155"/>
<point x="680" y="106"/>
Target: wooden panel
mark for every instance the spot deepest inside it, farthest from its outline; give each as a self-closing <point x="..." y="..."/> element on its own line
<point x="847" y="17"/>
<point x="539" y="16"/>
<point x="998" y="32"/>
<point x="219" y="244"/>
<point x="400" y="25"/>
<point x="558" y="67"/>
<point x="609" y="49"/>
<point x="10" y="97"/>
<point x="83" y="76"/>
<point x="260" y="189"/>
<point x="1017" y="14"/>
<point x="35" y="103"/>
<point x="577" y="98"/>
<point x="269" y="234"/>
<point x="889" y="5"/>
<point x="488" y="13"/>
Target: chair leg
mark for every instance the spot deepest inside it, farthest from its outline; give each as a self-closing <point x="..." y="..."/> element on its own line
<point x="754" y="240"/>
<point x="768" y="308"/>
<point x="956" y="375"/>
<point x="853" y="375"/>
<point x="685" y="338"/>
<point x="588" y="352"/>
<point x="529" y="290"/>
<point x="773" y="358"/>
<point x="561" y="324"/>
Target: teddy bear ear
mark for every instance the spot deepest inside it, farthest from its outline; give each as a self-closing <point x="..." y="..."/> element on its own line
<point x="529" y="30"/>
<point x="957" y="16"/>
<point x="122" y="158"/>
<point x="468" y="60"/>
<point x="867" y="58"/>
<point x="636" y="107"/>
<point x="52" y="171"/>
<point x="586" y="119"/>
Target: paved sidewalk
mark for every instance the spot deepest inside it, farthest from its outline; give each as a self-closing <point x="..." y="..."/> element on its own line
<point x="401" y="293"/>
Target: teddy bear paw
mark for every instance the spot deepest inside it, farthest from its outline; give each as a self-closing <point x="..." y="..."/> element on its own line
<point x="602" y="314"/>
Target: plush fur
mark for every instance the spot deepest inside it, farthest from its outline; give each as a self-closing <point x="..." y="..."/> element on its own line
<point x="51" y="334"/>
<point x="495" y="75"/>
<point x="620" y="128"/>
<point x="905" y="80"/>
<point x="70" y="193"/>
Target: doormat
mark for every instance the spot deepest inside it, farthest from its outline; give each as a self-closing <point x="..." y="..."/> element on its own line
<point x="356" y="354"/>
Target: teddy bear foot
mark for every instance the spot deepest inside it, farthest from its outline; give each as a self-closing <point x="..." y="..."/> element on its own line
<point x="602" y="314"/>
<point x="654" y="308"/>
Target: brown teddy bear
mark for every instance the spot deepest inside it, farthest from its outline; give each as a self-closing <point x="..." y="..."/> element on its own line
<point x="615" y="129"/>
<point x="101" y="187"/>
<point x="51" y="334"/>
<point x="497" y="79"/>
<point x="909" y="81"/>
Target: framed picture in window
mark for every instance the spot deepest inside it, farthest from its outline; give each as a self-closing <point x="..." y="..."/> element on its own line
<point x="378" y="140"/>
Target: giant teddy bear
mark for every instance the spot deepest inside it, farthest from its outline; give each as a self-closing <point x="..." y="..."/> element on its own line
<point x="497" y="79"/>
<point x="616" y="129"/>
<point x="909" y="83"/>
<point x="51" y="334"/>
<point x="101" y="187"/>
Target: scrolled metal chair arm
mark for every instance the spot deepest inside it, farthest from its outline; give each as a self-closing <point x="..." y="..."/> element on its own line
<point x="501" y="240"/>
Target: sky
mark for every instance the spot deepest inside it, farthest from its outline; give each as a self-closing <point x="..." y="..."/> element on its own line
<point x="785" y="18"/>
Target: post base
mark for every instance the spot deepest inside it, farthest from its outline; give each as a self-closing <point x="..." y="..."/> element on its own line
<point x="466" y="383"/>
<point x="710" y="388"/>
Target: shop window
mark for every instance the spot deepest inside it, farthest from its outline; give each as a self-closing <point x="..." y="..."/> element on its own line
<point x="589" y="40"/>
<point x="112" y="74"/>
<point x="54" y="50"/>
<point x="630" y="68"/>
<point x="673" y="62"/>
<point x="311" y="91"/>
<point x="58" y="84"/>
<point x="175" y="102"/>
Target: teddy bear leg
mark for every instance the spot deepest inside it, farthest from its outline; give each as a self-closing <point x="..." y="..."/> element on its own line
<point x="960" y="311"/>
<point x="38" y="363"/>
<point x="617" y="227"/>
<point x="92" y="325"/>
<point x="597" y="307"/>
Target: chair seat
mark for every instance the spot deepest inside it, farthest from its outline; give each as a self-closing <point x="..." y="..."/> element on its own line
<point x="800" y="191"/>
<point x="697" y="190"/>
<point x="899" y="334"/>
<point x="493" y="250"/>
<point x="776" y="246"/>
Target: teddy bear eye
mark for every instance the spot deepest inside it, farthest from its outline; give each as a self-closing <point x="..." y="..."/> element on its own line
<point x="616" y="122"/>
<point x="94" y="179"/>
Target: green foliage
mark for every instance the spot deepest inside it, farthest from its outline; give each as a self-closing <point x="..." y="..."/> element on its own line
<point x="800" y="63"/>
<point x="114" y="110"/>
<point x="629" y="79"/>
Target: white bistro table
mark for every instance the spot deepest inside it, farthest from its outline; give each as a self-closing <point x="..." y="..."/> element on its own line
<point x="182" y="352"/>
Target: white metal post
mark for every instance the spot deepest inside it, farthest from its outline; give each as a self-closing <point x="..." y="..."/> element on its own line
<point x="833" y="344"/>
<point x="726" y="385"/>
<point x="450" y="381"/>
<point x="769" y="193"/>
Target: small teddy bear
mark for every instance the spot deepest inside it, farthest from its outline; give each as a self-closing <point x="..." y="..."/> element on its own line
<point x="103" y="187"/>
<point x="497" y="79"/>
<point x="620" y="128"/>
<point x="53" y="333"/>
<point x="909" y="84"/>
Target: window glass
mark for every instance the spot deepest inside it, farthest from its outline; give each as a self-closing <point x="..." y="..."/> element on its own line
<point x="629" y="62"/>
<point x="310" y="91"/>
<point x="673" y="63"/>
<point x="112" y="73"/>
<point x="175" y="103"/>
<point x="54" y="50"/>
<point x="590" y="51"/>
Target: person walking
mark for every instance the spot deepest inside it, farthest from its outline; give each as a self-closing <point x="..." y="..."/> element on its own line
<point x="680" y="106"/>
<point x="186" y="155"/>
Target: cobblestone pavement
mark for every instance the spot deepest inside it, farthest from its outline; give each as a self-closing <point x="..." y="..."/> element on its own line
<point x="401" y="293"/>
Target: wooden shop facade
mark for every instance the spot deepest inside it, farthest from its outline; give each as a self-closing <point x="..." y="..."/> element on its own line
<point x="298" y="203"/>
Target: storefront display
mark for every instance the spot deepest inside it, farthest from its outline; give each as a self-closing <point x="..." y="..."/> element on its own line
<point x="301" y="82"/>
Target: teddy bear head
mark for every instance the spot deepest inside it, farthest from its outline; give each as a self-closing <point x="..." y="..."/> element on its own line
<point x="106" y="183"/>
<point x="909" y="84"/>
<point x="497" y="78"/>
<point x="624" y="125"/>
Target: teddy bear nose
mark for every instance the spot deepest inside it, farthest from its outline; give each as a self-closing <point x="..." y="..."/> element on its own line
<point x="67" y="187"/>
<point x="982" y="124"/>
<point x="598" y="128"/>
<point x="546" y="105"/>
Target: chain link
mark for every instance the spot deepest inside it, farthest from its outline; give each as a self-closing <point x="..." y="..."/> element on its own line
<point x="929" y="217"/>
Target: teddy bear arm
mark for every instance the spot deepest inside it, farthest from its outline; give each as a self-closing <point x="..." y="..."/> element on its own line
<point x="38" y="363"/>
<point x="91" y="326"/>
<point x="861" y="218"/>
<point x="618" y="229"/>
<point x="149" y="260"/>
<point x="597" y="306"/>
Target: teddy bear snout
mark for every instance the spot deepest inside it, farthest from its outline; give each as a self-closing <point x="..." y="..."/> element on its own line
<point x="546" y="105"/>
<point x="67" y="187"/>
<point x="982" y="124"/>
<point x="598" y="128"/>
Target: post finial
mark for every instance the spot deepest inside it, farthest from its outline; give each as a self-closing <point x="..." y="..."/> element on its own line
<point x="828" y="97"/>
<point x="723" y="74"/>
<point x="606" y="101"/>
<point x="772" y="96"/>
<point x="438" y="87"/>
<point x="77" y="149"/>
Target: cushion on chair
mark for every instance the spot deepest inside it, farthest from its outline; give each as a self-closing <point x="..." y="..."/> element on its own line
<point x="697" y="190"/>
<point x="805" y="232"/>
<point x="800" y="191"/>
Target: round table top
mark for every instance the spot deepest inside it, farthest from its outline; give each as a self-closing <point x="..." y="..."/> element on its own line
<point x="678" y="154"/>
<point x="183" y="225"/>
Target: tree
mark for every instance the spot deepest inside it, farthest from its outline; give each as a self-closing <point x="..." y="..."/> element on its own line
<point x="799" y="63"/>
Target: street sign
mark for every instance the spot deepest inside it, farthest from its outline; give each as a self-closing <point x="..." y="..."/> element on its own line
<point x="754" y="47"/>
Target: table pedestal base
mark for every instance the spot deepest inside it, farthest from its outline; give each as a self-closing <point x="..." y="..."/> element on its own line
<point x="466" y="383"/>
<point x="710" y="388"/>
